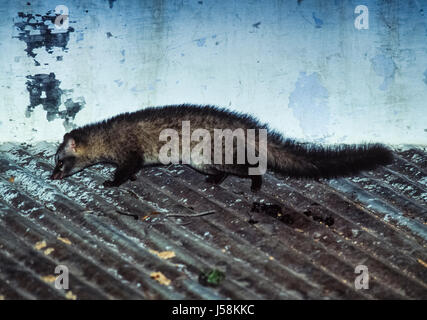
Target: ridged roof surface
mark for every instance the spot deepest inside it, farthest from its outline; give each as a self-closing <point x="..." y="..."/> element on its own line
<point x="171" y="235"/>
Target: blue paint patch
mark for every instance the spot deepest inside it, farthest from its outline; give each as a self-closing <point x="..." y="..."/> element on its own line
<point x="122" y="52"/>
<point x="384" y="67"/>
<point x="256" y="25"/>
<point x="136" y="90"/>
<point x="309" y="103"/>
<point x="80" y="37"/>
<point x="111" y="3"/>
<point x="118" y="82"/>
<point x="425" y="76"/>
<point x="318" y="22"/>
<point x="201" y="42"/>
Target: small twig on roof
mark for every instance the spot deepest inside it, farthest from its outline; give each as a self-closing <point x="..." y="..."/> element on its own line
<point x="200" y="214"/>
<point x="135" y="216"/>
<point x="110" y="214"/>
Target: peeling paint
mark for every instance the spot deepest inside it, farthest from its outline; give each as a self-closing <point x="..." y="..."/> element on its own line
<point x="72" y="108"/>
<point x="44" y="90"/>
<point x="38" y="31"/>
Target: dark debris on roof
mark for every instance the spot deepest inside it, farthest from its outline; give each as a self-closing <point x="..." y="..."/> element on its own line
<point x="171" y="235"/>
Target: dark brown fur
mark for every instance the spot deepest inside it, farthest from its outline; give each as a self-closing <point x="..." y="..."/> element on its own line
<point x="131" y="140"/>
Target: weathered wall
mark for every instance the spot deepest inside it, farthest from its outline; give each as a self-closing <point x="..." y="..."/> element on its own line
<point x="301" y="65"/>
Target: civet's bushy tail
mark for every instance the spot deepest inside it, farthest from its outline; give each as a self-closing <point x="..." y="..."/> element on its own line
<point x="302" y="160"/>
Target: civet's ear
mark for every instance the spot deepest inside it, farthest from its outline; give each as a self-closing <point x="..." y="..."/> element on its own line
<point x="70" y="144"/>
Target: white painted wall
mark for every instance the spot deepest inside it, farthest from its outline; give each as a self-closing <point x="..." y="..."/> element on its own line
<point x="303" y="68"/>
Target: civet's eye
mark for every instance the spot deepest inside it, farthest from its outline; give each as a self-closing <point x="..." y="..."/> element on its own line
<point x="60" y="163"/>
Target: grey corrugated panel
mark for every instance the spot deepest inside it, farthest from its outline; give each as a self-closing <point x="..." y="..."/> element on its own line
<point x="298" y="242"/>
<point x="302" y="258"/>
<point x="23" y="279"/>
<point x="416" y="157"/>
<point x="100" y="224"/>
<point x="122" y="230"/>
<point x="76" y="260"/>
<point x="355" y="225"/>
<point x="95" y="227"/>
<point x="233" y="224"/>
<point x="236" y="292"/>
<point x="298" y="202"/>
<point x="13" y="293"/>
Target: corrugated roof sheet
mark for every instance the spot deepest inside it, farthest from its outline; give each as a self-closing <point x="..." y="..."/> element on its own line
<point x="296" y="239"/>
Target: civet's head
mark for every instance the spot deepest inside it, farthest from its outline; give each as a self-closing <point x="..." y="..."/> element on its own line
<point x="69" y="158"/>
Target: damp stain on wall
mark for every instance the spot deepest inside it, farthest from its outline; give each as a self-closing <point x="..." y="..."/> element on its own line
<point x="317" y="22"/>
<point x="44" y="90"/>
<point x="384" y="67"/>
<point x="256" y="25"/>
<point x="111" y="3"/>
<point x="309" y="103"/>
<point x="200" y="42"/>
<point x="39" y="31"/>
<point x="123" y="53"/>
